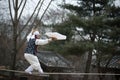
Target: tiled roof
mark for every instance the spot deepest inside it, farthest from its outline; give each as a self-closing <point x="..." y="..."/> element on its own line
<point x="113" y="63"/>
<point x="52" y="59"/>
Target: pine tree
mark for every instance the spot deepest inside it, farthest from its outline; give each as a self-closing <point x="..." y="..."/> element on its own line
<point x="100" y="20"/>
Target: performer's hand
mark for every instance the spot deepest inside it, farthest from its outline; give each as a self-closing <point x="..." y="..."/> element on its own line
<point x="53" y="38"/>
<point x="33" y="30"/>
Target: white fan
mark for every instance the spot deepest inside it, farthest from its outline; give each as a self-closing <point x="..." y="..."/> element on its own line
<point x="57" y="35"/>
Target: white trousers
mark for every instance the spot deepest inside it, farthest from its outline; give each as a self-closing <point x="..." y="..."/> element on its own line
<point x="34" y="63"/>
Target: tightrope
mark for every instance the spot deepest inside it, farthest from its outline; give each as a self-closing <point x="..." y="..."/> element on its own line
<point x="109" y="74"/>
<point x="55" y="73"/>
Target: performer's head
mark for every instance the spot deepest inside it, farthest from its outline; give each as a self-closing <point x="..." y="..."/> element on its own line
<point x="37" y="34"/>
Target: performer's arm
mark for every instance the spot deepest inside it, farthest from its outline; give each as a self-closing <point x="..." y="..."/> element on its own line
<point x="42" y="41"/>
<point x="29" y="36"/>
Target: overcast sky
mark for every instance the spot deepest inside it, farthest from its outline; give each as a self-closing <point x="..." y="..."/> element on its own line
<point x="30" y="6"/>
<point x="32" y="3"/>
<point x="117" y="3"/>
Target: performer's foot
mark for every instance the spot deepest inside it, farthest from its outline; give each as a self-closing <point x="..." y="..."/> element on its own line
<point x="28" y="72"/>
<point x="41" y="72"/>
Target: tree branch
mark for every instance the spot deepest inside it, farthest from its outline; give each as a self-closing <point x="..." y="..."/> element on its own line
<point x="10" y="11"/>
<point x="44" y="12"/>
<point x="20" y="3"/>
<point x="29" y="18"/>
<point x="13" y="4"/>
<point x="81" y="35"/>
<point x="38" y="12"/>
<point x="22" y="9"/>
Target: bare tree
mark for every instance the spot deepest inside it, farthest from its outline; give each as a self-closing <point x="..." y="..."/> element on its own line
<point x="16" y="8"/>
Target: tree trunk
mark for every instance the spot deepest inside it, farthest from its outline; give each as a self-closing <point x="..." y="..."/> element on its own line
<point x="88" y="64"/>
<point x="101" y="77"/>
<point x="15" y="25"/>
<point x="14" y="49"/>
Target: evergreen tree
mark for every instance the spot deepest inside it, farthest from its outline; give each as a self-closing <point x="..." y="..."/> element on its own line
<point x="100" y="20"/>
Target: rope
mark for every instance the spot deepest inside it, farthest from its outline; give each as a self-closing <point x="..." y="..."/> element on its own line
<point x="23" y="72"/>
<point x="109" y="74"/>
<point x="55" y="73"/>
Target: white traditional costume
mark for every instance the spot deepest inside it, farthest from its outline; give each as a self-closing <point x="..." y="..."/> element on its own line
<point x="31" y="50"/>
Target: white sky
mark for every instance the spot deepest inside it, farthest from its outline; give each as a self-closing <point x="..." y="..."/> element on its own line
<point x="117" y="2"/>
<point x="32" y="3"/>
